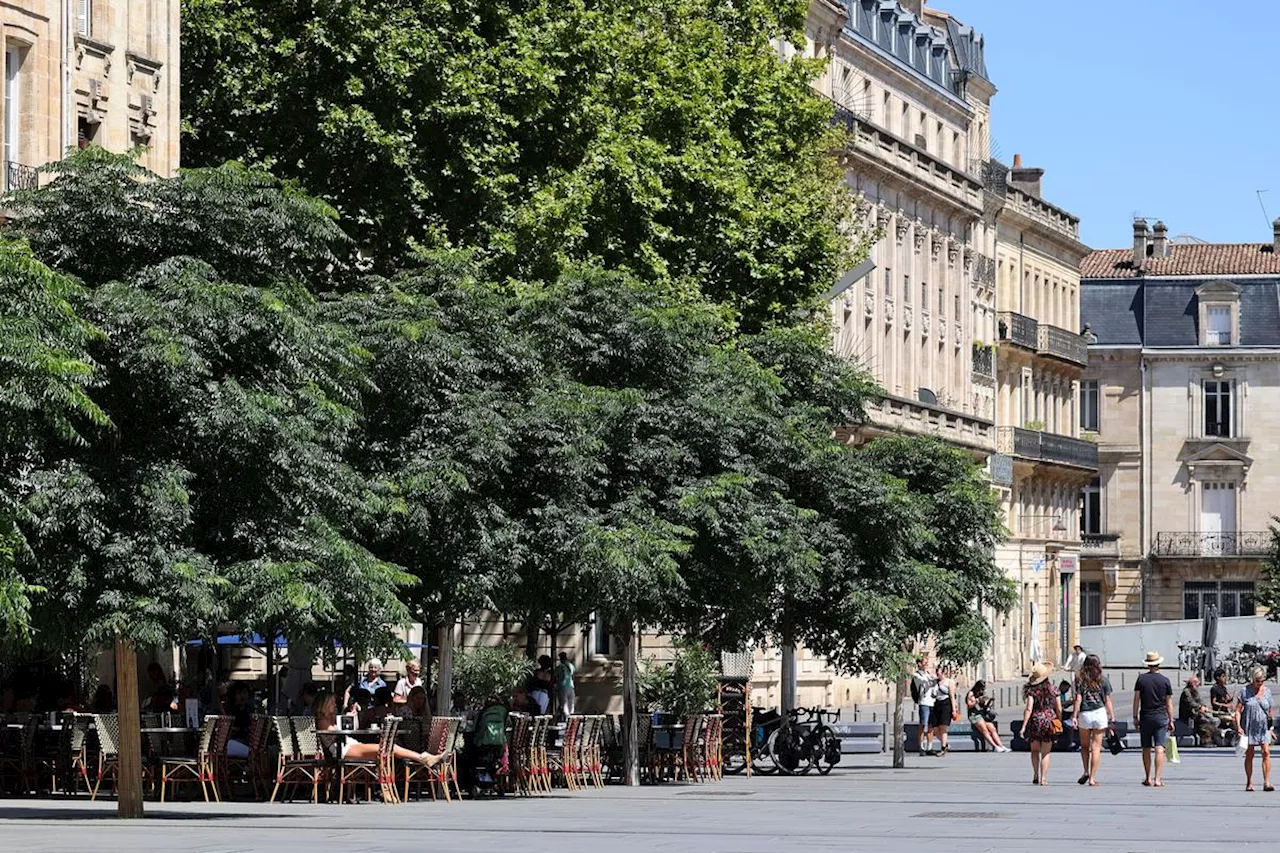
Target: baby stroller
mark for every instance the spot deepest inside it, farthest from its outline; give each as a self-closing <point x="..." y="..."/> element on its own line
<point x="489" y="750"/>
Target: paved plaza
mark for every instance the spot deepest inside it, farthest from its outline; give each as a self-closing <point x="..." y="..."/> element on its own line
<point x="964" y="802"/>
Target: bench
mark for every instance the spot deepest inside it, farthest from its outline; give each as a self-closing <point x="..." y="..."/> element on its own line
<point x="859" y="738"/>
<point x="961" y="737"/>
<point x="1068" y="741"/>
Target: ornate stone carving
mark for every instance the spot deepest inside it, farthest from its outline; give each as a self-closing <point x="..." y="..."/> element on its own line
<point x="957" y="339"/>
<point x="906" y="318"/>
<point x="924" y="324"/>
<point x="953" y="252"/>
<point x="869" y="301"/>
<point x="901" y="228"/>
<point x="919" y="235"/>
<point x="935" y="246"/>
<point x="888" y="311"/>
<point x="968" y="259"/>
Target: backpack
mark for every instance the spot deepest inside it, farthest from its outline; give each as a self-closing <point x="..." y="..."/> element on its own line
<point x="915" y="690"/>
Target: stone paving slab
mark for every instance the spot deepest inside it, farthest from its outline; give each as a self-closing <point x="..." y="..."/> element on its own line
<point x="957" y="804"/>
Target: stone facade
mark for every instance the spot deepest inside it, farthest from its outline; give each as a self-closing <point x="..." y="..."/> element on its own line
<point x="1186" y="373"/>
<point x="120" y="88"/>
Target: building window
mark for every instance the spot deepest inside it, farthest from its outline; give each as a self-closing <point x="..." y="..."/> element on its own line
<point x="1091" y="517"/>
<point x="1217" y="326"/>
<point x="1217" y="407"/>
<point x="906" y="290"/>
<point x="924" y="296"/>
<point x="1090" y="603"/>
<point x="601" y="641"/>
<point x="1089" y="405"/>
<point x="12" y="105"/>
<point x="1232" y="598"/>
<point x="888" y="283"/>
<point x="84" y="18"/>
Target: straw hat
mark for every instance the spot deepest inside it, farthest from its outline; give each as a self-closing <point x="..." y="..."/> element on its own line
<point x="1152" y="659"/>
<point x="1039" y="673"/>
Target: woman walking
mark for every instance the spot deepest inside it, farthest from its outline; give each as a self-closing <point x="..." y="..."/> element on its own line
<point x="1253" y="723"/>
<point x="943" y="707"/>
<point x="978" y="705"/>
<point x="1093" y="714"/>
<point x="1042" y="711"/>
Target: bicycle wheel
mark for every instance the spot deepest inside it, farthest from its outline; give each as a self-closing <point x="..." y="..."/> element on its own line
<point x="733" y="751"/>
<point x="787" y="754"/>
<point x="762" y="763"/>
<point x="826" y="745"/>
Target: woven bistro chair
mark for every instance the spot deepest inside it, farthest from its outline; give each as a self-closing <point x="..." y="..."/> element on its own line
<point x="18" y="765"/>
<point x="587" y="750"/>
<point x="691" y="749"/>
<point x="564" y="760"/>
<point x="248" y="768"/>
<point x="368" y="772"/>
<point x="444" y="741"/>
<point x="520" y="766"/>
<point x="72" y="765"/>
<point x="538" y="751"/>
<point x="299" y="762"/>
<point x="413" y="737"/>
<point x="712" y="741"/>
<point x="192" y="769"/>
<point x="107" y="727"/>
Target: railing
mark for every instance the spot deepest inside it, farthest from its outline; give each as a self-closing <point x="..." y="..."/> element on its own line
<point x="1253" y="543"/>
<point x="1100" y="544"/>
<point x="1063" y="344"/>
<point x="1047" y="447"/>
<point x="992" y="174"/>
<point x="846" y="117"/>
<point x="1018" y="329"/>
<point x="984" y="363"/>
<point x="20" y="177"/>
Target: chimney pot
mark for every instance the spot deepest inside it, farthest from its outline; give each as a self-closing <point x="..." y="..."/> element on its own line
<point x="1017" y="161"/>
<point x="1275" y="236"/>
<point x="1025" y="178"/>
<point x="1141" y="236"/>
<point x="1160" y="241"/>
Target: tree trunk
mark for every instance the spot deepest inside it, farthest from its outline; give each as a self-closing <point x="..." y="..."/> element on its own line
<point x="901" y="688"/>
<point x="129" y="800"/>
<point x="444" y="688"/>
<point x="630" y="728"/>
<point x="531" y="637"/>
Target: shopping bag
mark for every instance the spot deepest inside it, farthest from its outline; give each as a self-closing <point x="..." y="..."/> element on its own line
<point x="1171" y="750"/>
<point x="1242" y="746"/>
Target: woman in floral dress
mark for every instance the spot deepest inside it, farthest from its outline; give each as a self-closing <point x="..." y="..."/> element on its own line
<point x="1042" y="710"/>
<point x="1253" y="723"/>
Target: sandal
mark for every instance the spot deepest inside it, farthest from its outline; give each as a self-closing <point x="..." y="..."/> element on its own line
<point x="1146" y="783"/>
<point x="1083" y="779"/>
<point x="1249" y="788"/>
<point x="1268" y="787"/>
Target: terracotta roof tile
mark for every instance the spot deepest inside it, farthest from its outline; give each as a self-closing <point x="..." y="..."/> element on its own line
<point x="1224" y="259"/>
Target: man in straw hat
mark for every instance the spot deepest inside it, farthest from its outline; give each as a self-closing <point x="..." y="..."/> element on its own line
<point x="1153" y="715"/>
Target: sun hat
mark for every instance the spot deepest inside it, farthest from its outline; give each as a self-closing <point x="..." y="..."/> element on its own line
<point x="1153" y="659"/>
<point x="1039" y="673"/>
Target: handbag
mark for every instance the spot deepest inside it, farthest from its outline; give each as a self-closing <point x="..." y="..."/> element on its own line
<point x="1114" y="742"/>
<point x="989" y="715"/>
<point x="1056" y="726"/>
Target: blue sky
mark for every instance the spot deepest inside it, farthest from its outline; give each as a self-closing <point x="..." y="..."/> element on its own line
<point x="1165" y="108"/>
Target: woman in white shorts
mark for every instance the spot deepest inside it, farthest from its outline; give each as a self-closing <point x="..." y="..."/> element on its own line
<point x="1092" y="714"/>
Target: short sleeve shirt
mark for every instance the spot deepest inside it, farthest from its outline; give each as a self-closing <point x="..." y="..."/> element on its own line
<point x="404" y="685"/>
<point x="1153" y="690"/>
<point x="1093" y="699"/>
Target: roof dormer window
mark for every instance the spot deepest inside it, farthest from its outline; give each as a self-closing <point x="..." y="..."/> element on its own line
<point x="1219" y="314"/>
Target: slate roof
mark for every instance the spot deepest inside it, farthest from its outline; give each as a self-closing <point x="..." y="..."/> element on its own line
<point x="1224" y="259"/>
<point x="1166" y="313"/>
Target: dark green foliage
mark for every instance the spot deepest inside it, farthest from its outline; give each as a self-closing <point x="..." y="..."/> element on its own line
<point x="665" y="138"/>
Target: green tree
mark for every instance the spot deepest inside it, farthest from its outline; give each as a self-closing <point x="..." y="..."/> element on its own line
<point x="666" y="138"/>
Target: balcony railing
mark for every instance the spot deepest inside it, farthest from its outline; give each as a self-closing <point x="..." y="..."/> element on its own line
<point x="984" y="269"/>
<point x="1252" y="543"/>
<point x="1100" y="544"/>
<point x="984" y="363"/>
<point x="1047" y="447"/>
<point x="1062" y="344"/>
<point x="20" y="177"/>
<point x="1018" y="329"/>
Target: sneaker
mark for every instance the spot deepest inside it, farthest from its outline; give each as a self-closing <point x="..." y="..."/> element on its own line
<point x="932" y="752"/>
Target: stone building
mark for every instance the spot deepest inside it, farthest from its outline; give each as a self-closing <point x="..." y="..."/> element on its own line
<point x="89" y="72"/>
<point x="1184" y="376"/>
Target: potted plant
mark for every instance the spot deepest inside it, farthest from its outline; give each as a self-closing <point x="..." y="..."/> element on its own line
<point x="685" y="685"/>
<point x="1036" y="425"/>
<point x="489" y="673"/>
<point x="1089" y="435"/>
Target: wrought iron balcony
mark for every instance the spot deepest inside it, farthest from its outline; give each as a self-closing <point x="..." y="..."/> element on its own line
<point x="20" y="177"/>
<point x="1100" y="544"/>
<point x="1252" y="543"/>
<point x="1018" y="329"/>
<point x="846" y="117"/>
<point x="1062" y="344"/>
<point x="984" y="363"/>
<point x="1047" y="447"/>
<point x="984" y="269"/>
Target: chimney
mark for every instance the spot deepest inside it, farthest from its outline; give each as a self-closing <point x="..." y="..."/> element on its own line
<point x="1275" y="236"/>
<point x="1025" y="179"/>
<point x="1160" y="241"/>
<point x="1140" y="238"/>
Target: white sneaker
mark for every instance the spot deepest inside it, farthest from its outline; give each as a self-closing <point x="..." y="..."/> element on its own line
<point x="1002" y="749"/>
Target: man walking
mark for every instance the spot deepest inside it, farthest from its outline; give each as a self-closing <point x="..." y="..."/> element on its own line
<point x="924" y="685"/>
<point x="1153" y="715"/>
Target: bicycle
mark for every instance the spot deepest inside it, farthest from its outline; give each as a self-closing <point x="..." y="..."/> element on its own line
<point x="798" y="746"/>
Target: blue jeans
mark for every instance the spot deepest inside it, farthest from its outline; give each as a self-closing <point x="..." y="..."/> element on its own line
<point x="1154" y="732"/>
<point x="924" y="712"/>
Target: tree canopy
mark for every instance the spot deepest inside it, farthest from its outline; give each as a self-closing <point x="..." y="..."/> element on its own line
<point x="667" y="138"/>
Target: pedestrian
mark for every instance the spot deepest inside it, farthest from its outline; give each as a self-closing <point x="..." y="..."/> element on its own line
<point x="944" y="709"/>
<point x="564" y="683"/>
<point x="1093" y="714"/>
<point x="539" y="684"/>
<point x="1153" y="715"/>
<point x="1253" y="724"/>
<point x="1075" y="661"/>
<point x="1041" y="720"/>
<point x="923" y="685"/>
<point x="982" y="716"/>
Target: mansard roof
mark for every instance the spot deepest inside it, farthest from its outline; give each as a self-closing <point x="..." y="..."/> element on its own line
<point x="1166" y="312"/>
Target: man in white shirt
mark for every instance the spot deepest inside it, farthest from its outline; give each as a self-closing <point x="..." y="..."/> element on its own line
<point x="924" y="685"/>
<point x="412" y="678"/>
<point x="1074" y="661"/>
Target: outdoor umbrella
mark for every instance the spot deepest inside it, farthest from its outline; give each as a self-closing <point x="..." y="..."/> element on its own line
<point x="1209" y="641"/>
<point x="1033" y="649"/>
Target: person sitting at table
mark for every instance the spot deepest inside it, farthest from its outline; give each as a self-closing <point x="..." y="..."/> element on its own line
<point x="240" y="709"/>
<point x="349" y="682"/>
<point x="416" y="705"/>
<point x="163" y="696"/>
<point x="306" y="698"/>
<point x="540" y="684"/>
<point x="327" y="721"/>
<point x="381" y="707"/>
<point x="103" y="700"/>
<point x="412" y="678"/>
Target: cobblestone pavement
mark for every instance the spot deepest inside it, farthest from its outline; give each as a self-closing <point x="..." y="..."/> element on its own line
<point x="963" y="802"/>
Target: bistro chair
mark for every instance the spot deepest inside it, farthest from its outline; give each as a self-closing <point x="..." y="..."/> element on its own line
<point x="192" y="769"/>
<point x="412" y="737"/>
<point x="689" y="756"/>
<point x="18" y="766"/>
<point x="107" y="727"/>
<point x="72" y="760"/>
<point x="443" y="741"/>
<point x="541" y="764"/>
<point x="299" y="762"/>
<point x="248" y="768"/>
<point x="646" y="756"/>
<point x="368" y="772"/>
<point x="565" y="759"/>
